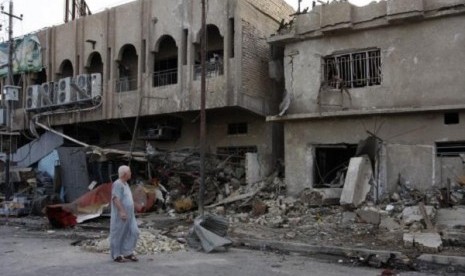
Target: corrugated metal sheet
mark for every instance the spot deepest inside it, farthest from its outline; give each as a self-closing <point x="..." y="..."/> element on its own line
<point x="47" y="164"/>
<point x="37" y="149"/>
<point x="74" y="175"/>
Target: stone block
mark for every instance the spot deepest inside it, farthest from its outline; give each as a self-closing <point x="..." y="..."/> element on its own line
<point x="412" y="214"/>
<point x="369" y="215"/>
<point x="357" y="182"/>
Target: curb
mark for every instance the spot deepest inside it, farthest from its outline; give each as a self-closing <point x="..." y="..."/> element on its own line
<point x="376" y="258"/>
<point x="451" y="263"/>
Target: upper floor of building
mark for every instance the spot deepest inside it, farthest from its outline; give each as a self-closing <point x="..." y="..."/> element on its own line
<point x="146" y="55"/>
<point x="388" y="56"/>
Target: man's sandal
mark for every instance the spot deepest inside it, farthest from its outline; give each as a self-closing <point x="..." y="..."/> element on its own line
<point x="119" y="259"/>
<point x="131" y="258"/>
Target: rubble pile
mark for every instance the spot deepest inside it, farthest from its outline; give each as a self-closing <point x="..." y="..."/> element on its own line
<point x="148" y="243"/>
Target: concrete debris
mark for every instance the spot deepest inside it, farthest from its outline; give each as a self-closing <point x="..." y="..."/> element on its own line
<point x="390" y="224"/>
<point x="357" y="182"/>
<point x="370" y="215"/>
<point x="209" y="233"/>
<point x="424" y="242"/>
<point x="319" y="197"/>
<point x="148" y="243"/>
<point x="413" y="213"/>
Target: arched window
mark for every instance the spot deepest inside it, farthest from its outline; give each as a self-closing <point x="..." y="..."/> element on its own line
<point x="165" y="70"/>
<point x="127" y="69"/>
<point x="215" y="53"/>
<point x="66" y="69"/>
<point x="94" y="63"/>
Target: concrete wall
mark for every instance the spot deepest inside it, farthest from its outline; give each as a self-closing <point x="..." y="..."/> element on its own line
<point x="421" y="57"/>
<point x="421" y="45"/>
<point x="142" y="24"/>
<point x="409" y="142"/>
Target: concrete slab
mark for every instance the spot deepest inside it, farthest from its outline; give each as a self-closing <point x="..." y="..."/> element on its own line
<point x="451" y="218"/>
<point x="424" y="242"/>
<point x="357" y="182"/>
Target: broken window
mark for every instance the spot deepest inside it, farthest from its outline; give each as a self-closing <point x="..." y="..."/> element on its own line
<point x="237" y="128"/>
<point x="331" y="163"/>
<point x="127" y="69"/>
<point x="450" y="149"/>
<point x="215" y="54"/>
<point x="352" y="70"/>
<point x="166" y="62"/>
<point x="234" y="155"/>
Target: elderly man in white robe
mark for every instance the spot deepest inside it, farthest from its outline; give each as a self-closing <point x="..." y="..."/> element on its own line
<point x="123" y="226"/>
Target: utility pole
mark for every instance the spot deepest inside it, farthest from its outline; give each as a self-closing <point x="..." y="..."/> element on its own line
<point x="9" y="82"/>
<point x="203" y="131"/>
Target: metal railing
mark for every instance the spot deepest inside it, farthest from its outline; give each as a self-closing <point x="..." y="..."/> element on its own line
<point x="213" y="69"/>
<point x="125" y="84"/>
<point x="165" y="77"/>
<point x="353" y="70"/>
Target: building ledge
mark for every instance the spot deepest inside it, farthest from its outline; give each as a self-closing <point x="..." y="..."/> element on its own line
<point x="364" y="112"/>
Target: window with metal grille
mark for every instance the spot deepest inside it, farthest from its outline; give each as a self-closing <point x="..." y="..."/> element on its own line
<point x="237" y="128"/>
<point x="352" y="70"/>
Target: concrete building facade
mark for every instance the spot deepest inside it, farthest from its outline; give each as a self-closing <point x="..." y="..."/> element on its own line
<point x="148" y="55"/>
<point x="392" y="71"/>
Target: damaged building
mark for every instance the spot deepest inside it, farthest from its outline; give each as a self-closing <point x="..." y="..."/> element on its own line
<point x="383" y="80"/>
<point x="128" y="78"/>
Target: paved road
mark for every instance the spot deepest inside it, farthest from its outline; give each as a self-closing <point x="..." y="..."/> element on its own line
<point x="27" y="253"/>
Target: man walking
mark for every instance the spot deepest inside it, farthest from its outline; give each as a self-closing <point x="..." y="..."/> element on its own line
<point x="123" y="226"/>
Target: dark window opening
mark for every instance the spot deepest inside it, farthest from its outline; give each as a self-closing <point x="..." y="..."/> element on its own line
<point x="235" y="155"/>
<point x="40" y="77"/>
<point x="232" y="34"/>
<point x="95" y="64"/>
<point x="109" y="62"/>
<point x="450" y="149"/>
<point x="331" y="163"/>
<point x="66" y="69"/>
<point x="214" y="55"/>
<point x="451" y="118"/>
<point x="127" y="69"/>
<point x="144" y="49"/>
<point x="185" y="37"/>
<point x="237" y="128"/>
<point x="352" y="70"/>
<point x="166" y="63"/>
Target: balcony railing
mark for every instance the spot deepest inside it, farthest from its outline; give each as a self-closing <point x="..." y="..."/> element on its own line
<point x="212" y="70"/>
<point x="125" y="84"/>
<point x="165" y="77"/>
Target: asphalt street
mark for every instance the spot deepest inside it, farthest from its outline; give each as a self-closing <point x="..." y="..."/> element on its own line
<point x="37" y="253"/>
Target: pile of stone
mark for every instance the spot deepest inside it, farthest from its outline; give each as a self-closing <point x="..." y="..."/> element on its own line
<point x="148" y="243"/>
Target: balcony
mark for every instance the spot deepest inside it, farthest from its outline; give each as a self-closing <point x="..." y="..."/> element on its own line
<point x="165" y="77"/>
